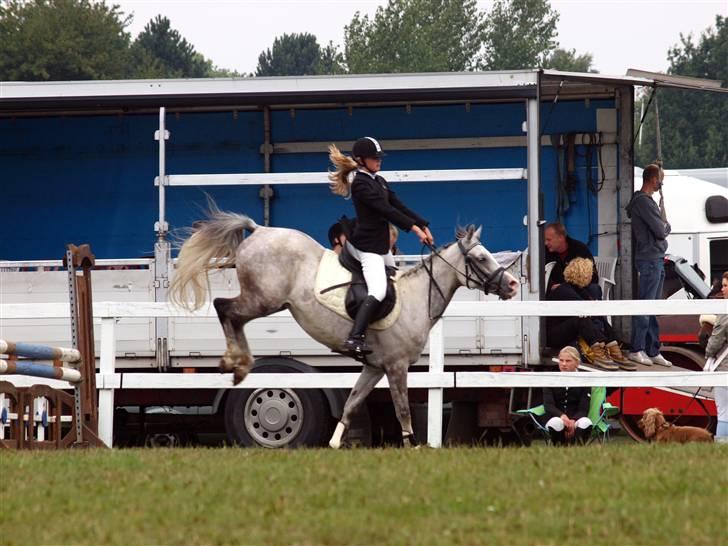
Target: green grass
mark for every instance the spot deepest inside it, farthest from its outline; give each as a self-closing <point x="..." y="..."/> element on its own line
<point x="616" y="495"/>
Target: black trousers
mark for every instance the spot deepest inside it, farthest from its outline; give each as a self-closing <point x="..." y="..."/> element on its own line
<point x="562" y="331"/>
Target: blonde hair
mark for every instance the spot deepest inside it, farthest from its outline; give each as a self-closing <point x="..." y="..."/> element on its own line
<point x="572" y="352"/>
<point x="339" y="179"/>
<point x="579" y="272"/>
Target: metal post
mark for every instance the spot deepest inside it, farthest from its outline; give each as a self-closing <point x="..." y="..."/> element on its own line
<point x="625" y="188"/>
<point x="532" y="325"/>
<point x="266" y="192"/>
<point x="434" y="396"/>
<point x="73" y="301"/>
<point x="162" y="250"/>
<point x="161" y="135"/>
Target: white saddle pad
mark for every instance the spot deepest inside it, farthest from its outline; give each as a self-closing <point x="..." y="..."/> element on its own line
<point x="330" y="273"/>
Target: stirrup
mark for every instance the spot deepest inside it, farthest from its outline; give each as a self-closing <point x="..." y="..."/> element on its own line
<point x="357" y="346"/>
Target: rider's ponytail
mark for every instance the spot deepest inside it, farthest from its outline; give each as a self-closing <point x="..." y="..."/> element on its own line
<point x="339" y="179"/>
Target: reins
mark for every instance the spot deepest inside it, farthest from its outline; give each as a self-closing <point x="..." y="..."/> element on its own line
<point x="486" y="282"/>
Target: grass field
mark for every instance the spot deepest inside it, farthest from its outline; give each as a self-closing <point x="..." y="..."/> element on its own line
<point x="618" y="494"/>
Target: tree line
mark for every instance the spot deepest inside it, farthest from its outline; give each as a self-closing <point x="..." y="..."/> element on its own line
<point x="59" y="40"/>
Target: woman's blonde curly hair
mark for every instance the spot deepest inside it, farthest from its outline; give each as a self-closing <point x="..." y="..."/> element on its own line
<point x="579" y="272"/>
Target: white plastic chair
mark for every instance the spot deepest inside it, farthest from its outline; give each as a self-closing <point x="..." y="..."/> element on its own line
<point x="606" y="268"/>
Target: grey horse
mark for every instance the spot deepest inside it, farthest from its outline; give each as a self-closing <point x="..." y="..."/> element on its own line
<point x="276" y="268"/>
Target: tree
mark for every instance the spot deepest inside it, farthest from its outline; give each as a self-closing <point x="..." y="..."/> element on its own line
<point x="693" y="124"/>
<point x="160" y="51"/>
<point x="331" y="61"/>
<point x="291" y="55"/>
<point x="415" y="36"/>
<point x="62" y="40"/>
<point x="568" y="61"/>
<point x="519" y="34"/>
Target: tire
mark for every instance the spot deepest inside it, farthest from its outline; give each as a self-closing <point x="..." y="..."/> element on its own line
<point x="275" y="417"/>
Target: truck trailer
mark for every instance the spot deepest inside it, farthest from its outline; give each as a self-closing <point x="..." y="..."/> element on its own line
<point x="127" y="165"/>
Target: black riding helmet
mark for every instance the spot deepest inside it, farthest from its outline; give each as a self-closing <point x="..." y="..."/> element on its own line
<point x="366" y="147"/>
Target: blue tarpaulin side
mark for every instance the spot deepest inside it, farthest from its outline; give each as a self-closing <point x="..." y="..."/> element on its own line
<point x="91" y="179"/>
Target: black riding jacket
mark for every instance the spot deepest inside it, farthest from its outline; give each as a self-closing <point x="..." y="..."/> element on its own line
<point x="376" y="205"/>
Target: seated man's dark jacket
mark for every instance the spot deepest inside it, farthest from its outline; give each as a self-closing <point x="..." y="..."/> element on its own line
<point x="376" y="206"/>
<point x="573" y="401"/>
<point x="575" y="249"/>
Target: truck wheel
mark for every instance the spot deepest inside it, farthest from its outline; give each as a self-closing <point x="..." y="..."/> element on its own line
<point x="275" y="417"/>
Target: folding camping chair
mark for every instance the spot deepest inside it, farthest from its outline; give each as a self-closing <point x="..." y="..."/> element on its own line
<point x="599" y="411"/>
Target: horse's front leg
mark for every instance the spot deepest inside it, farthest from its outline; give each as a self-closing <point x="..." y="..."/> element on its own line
<point x="397" y="377"/>
<point x="368" y="379"/>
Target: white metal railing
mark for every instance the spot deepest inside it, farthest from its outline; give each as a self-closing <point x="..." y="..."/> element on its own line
<point x="435" y="379"/>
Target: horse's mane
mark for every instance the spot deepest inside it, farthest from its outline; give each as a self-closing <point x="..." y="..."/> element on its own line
<point x="414" y="270"/>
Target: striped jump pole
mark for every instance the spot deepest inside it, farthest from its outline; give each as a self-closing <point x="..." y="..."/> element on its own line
<point x="39" y="369"/>
<point x="34" y="350"/>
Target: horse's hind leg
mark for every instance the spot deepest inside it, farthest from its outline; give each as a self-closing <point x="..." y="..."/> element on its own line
<point x="237" y="357"/>
<point x="398" y="387"/>
<point x="367" y="381"/>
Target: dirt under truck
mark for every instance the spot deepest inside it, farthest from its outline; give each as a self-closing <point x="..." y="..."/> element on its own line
<point x="123" y="165"/>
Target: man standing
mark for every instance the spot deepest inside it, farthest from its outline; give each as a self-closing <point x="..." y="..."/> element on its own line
<point x="650" y="229"/>
<point x="561" y="249"/>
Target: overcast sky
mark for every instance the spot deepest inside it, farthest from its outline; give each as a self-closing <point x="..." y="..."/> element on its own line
<point x="620" y="34"/>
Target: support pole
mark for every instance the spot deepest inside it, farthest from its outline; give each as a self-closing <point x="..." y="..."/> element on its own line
<point x="266" y="192"/>
<point x="434" y="395"/>
<point x="532" y="325"/>
<point x="162" y="251"/>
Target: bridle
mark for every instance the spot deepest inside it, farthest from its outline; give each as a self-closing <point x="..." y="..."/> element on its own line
<point x="473" y="274"/>
<point x="488" y="283"/>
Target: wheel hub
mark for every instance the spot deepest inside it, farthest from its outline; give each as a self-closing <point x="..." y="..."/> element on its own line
<point x="273" y="417"/>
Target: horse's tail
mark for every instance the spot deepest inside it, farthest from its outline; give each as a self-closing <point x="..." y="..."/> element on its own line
<point x="339" y="179"/>
<point x="212" y="245"/>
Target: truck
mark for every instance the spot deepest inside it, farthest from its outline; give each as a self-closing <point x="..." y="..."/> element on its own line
<point x="127" y="165"/>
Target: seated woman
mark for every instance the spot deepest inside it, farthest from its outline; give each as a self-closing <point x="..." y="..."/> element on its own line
<point x="604" y="349"/>
<point x="567" y="407"/>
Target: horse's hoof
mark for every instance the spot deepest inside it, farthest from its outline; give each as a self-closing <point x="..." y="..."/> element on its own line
<point x="409" y="441"/>
<point x="335" y="442"/>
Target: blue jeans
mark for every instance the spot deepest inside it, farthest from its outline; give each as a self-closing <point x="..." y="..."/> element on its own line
<point x="645" y="330"/>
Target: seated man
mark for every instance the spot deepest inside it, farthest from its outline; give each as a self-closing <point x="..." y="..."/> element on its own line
<point x="561" y="249"/>
<point x="603" y="347"/>
<point x="566" y="408"/>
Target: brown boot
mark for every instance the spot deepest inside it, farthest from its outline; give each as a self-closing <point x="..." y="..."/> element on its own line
<point x="599" y="357"/>
<point x="615" y="353"/>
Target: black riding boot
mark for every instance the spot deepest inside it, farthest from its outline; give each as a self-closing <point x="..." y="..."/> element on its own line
<point x="357" y="338"/>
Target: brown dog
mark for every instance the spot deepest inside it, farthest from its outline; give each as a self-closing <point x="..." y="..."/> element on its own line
<point x="656" y="429"/>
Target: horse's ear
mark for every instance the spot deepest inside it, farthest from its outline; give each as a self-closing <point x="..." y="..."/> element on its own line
<point x="478" y="232"/>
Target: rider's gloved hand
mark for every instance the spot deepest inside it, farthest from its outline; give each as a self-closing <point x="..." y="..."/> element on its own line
<point x="424" y="236"/>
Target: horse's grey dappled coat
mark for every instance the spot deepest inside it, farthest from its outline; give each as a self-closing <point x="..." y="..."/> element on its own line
<point x="276" y="268"/>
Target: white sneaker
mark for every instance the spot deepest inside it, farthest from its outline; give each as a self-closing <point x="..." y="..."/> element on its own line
<point x="640" y="357"/>
<point x="660" y="360"/>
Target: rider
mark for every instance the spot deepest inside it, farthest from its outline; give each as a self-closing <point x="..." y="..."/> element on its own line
<point x="376" y="205"/>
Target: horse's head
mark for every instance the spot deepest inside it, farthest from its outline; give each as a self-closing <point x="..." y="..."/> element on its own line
<point x="482" y="270"/>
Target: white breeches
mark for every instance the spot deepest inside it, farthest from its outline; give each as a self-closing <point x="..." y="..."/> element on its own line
<point x="555" y="423"/>
<point x="372" y="265"/>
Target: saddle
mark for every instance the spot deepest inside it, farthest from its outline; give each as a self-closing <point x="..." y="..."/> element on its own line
<point x="357" y="291"/>
<point x="331" y="289"/>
